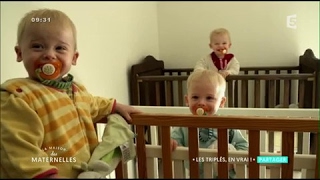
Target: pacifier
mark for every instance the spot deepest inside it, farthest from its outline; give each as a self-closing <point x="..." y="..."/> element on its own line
<point x="224" y="51"/>
<point x="48" y="70"/>
<point x="201" y="111"/>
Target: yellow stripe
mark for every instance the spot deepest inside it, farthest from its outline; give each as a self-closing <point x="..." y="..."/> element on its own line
<point x="58" y="121"/>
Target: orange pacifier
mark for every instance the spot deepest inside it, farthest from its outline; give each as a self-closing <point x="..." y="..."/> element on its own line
<point x="48" y="70"/>
<point x="224" y="51"/>
<point x="201" y="111"/>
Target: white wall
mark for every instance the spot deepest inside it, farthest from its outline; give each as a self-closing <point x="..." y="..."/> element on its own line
<point x="112" y="36"/>
<point x="259" y="32"/>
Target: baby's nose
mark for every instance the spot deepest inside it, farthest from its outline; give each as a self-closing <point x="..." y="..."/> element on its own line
<point x="201" y="103"/>
<point x="49" y="55"/>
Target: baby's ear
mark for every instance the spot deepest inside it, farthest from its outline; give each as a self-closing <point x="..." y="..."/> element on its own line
<point x="223" y="101"/>
<point x="17" y="49"/>
<point x="75" y="58"/>
<point x="186" y="99"/>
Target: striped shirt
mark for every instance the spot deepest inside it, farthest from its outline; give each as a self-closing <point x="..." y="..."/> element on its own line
<point x="44" y="131"/>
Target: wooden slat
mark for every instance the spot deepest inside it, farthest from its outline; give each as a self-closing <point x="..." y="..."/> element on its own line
<point x="193" y="152"/>
<point x="290" y="84"/>
<point x="301" y="93"/>
<point x="266" y="93"/>
<point x="271" y="99"/>
<point x="119" y="171"/>
<point x="138" y="93"/>
<point x="180" y="93"/>
<point x="254" y="152"/>
<point x="141" y="152"/>
<point x="157" y="93"/>
<point x="236" y="95"/>
<point x="169" y="93"/>
<point x="271" y="141"/>
<point x="286" y="94"/>
<point x="244" y="93"/>
<point x="230" y="94"/>
<point x="257" y="93"/>
<point x="146" y="91"/>
<point x="287" y="150"/>
<point x="301" y="103"/>
<point x="278" y="88"/>
<point x="300" y="143"/>
<point x="271" y="94"/>
<point x="166" y="152"/>
<point x="315" y="93"/>
<point x="223" y="172"/>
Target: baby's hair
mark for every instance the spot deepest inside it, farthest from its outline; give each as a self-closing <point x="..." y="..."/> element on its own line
<point x="50" y="18"/>
<point x="213" y="76"/>
<point x="220" y="31"/>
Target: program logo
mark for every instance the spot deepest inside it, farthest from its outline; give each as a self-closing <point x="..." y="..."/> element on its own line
<point x="292" y="21"/>
<point x="53" y="156"/>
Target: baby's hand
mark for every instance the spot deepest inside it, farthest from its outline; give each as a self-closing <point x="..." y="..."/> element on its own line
<point x="126" y="110"/>
<point x="173" y="145"/>
<point x="224" y="73"/>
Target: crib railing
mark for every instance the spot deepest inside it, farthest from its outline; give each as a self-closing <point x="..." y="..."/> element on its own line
<point x="170" y="91"/>
<point x="267" y="89"/>
<point x="243" y="70"/>
<point x="253" y="124"/>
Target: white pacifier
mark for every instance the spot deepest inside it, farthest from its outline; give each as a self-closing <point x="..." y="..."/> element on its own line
<point x="48" y="69"/>
<point x="200" y="111"/>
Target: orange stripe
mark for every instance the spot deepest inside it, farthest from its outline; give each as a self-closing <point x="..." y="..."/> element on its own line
<point x="61" y="121"/>
<point x="53" y="105"/>
<point x="64" y="138"/>
<point x="83" y="98"/>
<point x="75" y="148"/>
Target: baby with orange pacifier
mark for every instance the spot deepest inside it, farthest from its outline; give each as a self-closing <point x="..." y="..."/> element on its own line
<point x="205" y="95"/>
<point x="220" y="59"/>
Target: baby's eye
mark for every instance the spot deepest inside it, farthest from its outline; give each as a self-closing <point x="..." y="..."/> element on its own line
<point x="36" y="46"/>
<point x="210" y="98"/>
<point x="61" y="48"/>
<point x="194" y="97"/>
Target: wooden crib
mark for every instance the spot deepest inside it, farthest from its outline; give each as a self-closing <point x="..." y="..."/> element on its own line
<point x="255" y="121"/>
<point x="255" y="87"/>
<point x="260" y="87"/>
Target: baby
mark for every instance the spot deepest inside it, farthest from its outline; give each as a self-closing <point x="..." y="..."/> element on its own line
<point x="48" y="118"/>
<point x="220" y="60"/>
<point x="205" y="89"/>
